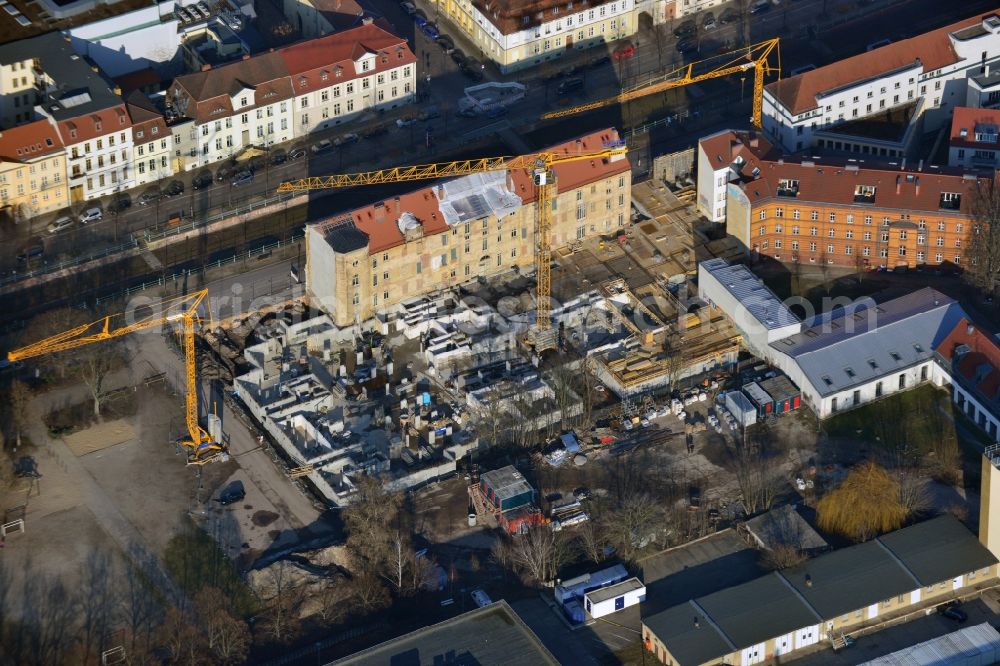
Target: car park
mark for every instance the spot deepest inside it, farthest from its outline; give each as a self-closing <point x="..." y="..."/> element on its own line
<point x="92" y="214"/>
<point x="243" y="178"/>
<point x="321" y="147"/>
<point x="31" y="252"/>
<point x="624" y="51"/>
<point x="59" y="224"/>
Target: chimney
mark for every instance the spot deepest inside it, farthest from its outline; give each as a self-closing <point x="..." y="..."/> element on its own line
<point x="397" y="206"/>
<point x="920" y="165"/>
<point x="440" y="192"/>
<point x="897" y="184"/>
<point x="917" y="181"/>
<point x="754" y="142"/>
<point x="246" y="56"/>
<point x="970" y="329"/>
<point x="206" y="67"/>
<point x="809" y="581"/>
<point x="902" y="166"/>
<point x="697" y="624"/>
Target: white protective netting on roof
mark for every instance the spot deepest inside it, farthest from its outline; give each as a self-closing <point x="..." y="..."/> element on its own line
<point x="476" y="196"/>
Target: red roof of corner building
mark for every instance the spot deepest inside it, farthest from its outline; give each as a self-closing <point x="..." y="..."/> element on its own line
<point x="26" y="142"/>
<point x="723" y="148"/>
<point x="307" y="61"/>
<point x="93" y="125"/>
<point x="934" y="49"/>
<point x="983" y="352"/>
<point x="509" y="15"/>
<point x="378" y="220"/>
<point x="967" y="119"/>
<point x="145" y="116"/>
<point x="836" y="184"/>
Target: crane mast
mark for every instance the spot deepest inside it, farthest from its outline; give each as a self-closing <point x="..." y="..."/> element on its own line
<point x="201" y="447"/>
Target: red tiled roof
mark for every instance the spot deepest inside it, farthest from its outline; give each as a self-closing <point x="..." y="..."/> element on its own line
<point x="723" y="148"/>
<point x="145" y="116"/>
<point x="933" y="49"/>
<point x="142" y="78"/>
<point x="340" y="14"/>
<point x="26" y="142"/>
<point x="509" y="15"/>
<point x="378" y="220"/>
<point x="966" y="119"/>
<point x="211" y="90"/>
<point x="307" y="62"/>
<point x="94" y="125"/>
<point x="980" y="364"/>
<point x="897" y="189"/>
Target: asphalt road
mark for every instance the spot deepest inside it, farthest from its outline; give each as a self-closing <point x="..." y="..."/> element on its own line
<point x="655" y="53"/>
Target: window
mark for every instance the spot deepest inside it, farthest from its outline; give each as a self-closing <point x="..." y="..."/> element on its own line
<point x="864" y="194"/>
<point x="814" y="215"/>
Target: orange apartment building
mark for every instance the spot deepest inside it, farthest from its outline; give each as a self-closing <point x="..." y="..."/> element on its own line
<point x="848" y="213"/>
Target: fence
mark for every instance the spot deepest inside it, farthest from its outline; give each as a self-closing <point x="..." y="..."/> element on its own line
<point x="159" y="232"/>
<point x="130" y="244"/>
<point x="179" y="275"/>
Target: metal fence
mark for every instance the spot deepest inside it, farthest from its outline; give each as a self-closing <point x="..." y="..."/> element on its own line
<point x="45" y="269"/>
<point x="187" y="273"/>
<point x="159" y="232"/>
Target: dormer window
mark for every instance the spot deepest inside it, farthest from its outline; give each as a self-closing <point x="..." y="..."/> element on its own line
<point x="524" y="20"/>
<point x="963" y="133"/>
<point x="864" y="194"/>
<point x="986" y="133"/>
<point x="364" y="65"/>
<point x="339" y="71"/>
<point x="139" y="134"/>
<point x="243" y="101"/>
<point x="155" y="130"/>
<point x="951" y="200"/>
<point x="324" y="75"/>
<point x="302" y="82"/>
<point x="97" y="126"/>
<point x="788" y="187"/>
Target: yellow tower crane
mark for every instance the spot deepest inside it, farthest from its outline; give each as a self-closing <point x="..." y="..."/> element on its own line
<point x="542" y="337"/>
<point x="756" y="57"/>
<point x="201" y="448"/>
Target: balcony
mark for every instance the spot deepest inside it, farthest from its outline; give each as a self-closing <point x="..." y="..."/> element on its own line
<point x="950" y="201"/>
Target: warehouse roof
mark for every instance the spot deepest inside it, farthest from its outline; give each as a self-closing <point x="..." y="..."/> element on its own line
<point x="937" y="549"/>
<point x="490" y="635"/>
<point x="929" y="51"/>
<point x="762" y="304"/>
<point x="821" y="589"/>
<point x="860" y="344"/>
<point x="979" y="644"/>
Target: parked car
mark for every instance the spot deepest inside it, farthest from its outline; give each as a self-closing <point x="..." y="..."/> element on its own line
<point x="472" y="71"/>
<point x="296" y="154"/>
<point x="278" y="158"/>
<point x="623" y="51"/>
<point x="225" y="171"/>
<point x="709" y="22"/>
<point x="174" y="189"/>
<point x="444" y="41"/>
<point x="202" y="180"/>
<point x="31" y="252"/>
<point x="346" y="139"/>
<point x="405" y="122"/>
<point x="431" y="30"/>
<point x="243" y="178"/>
<point x="60" y="223"/>
<point x="481" y="598"/>
<point x="234" y="492"/>
<point x="321" y="147"/>
<point x="149" y="197"/>
<point x="420" y="21"/>
<point x="597" y="62"/>
<point x="373" y="132"/>
<point x="729" y="16"/>
<point x="685" y="29"/>
<point x="429" y="114"/>
<point x="122" y="201"/>
<point x="458" y="57"/>
<point x="92" y="214"/>
<point x="760" y="6"/>
<point x="953" y="612"/>
<point x="408" y="7"/>
<point x="687" y="46"/>
<point x="569" y="85"/>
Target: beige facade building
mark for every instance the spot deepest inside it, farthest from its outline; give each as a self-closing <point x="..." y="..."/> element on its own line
<point x="520" y="34"/>
<point x="32" y="170"/>
<point x="364" y="262"/>
<point x="774" y="616"/>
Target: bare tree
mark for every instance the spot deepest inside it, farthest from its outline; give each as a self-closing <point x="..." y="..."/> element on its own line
<point x="783" y="556"/>
<point x="630" y="523"/>
<point x="20" y="396"/>
<point x="97" y="602"/>
<point x="283" y="599"/>
<point x="369" y="593"/>
<point x="181" y="640"/>
<point x="591" y="541"/>
<point x="502" y="554"/>
<point x="983" y="267"/>
<point x="332" y="600"/>
<point x="227" y="638"/>
<point x="93" y="365"/>
<point x="539" y="553"/>
<point x="50" y="323"/>
<point x="139" y="609"/>
<point x="758" y="478"/>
